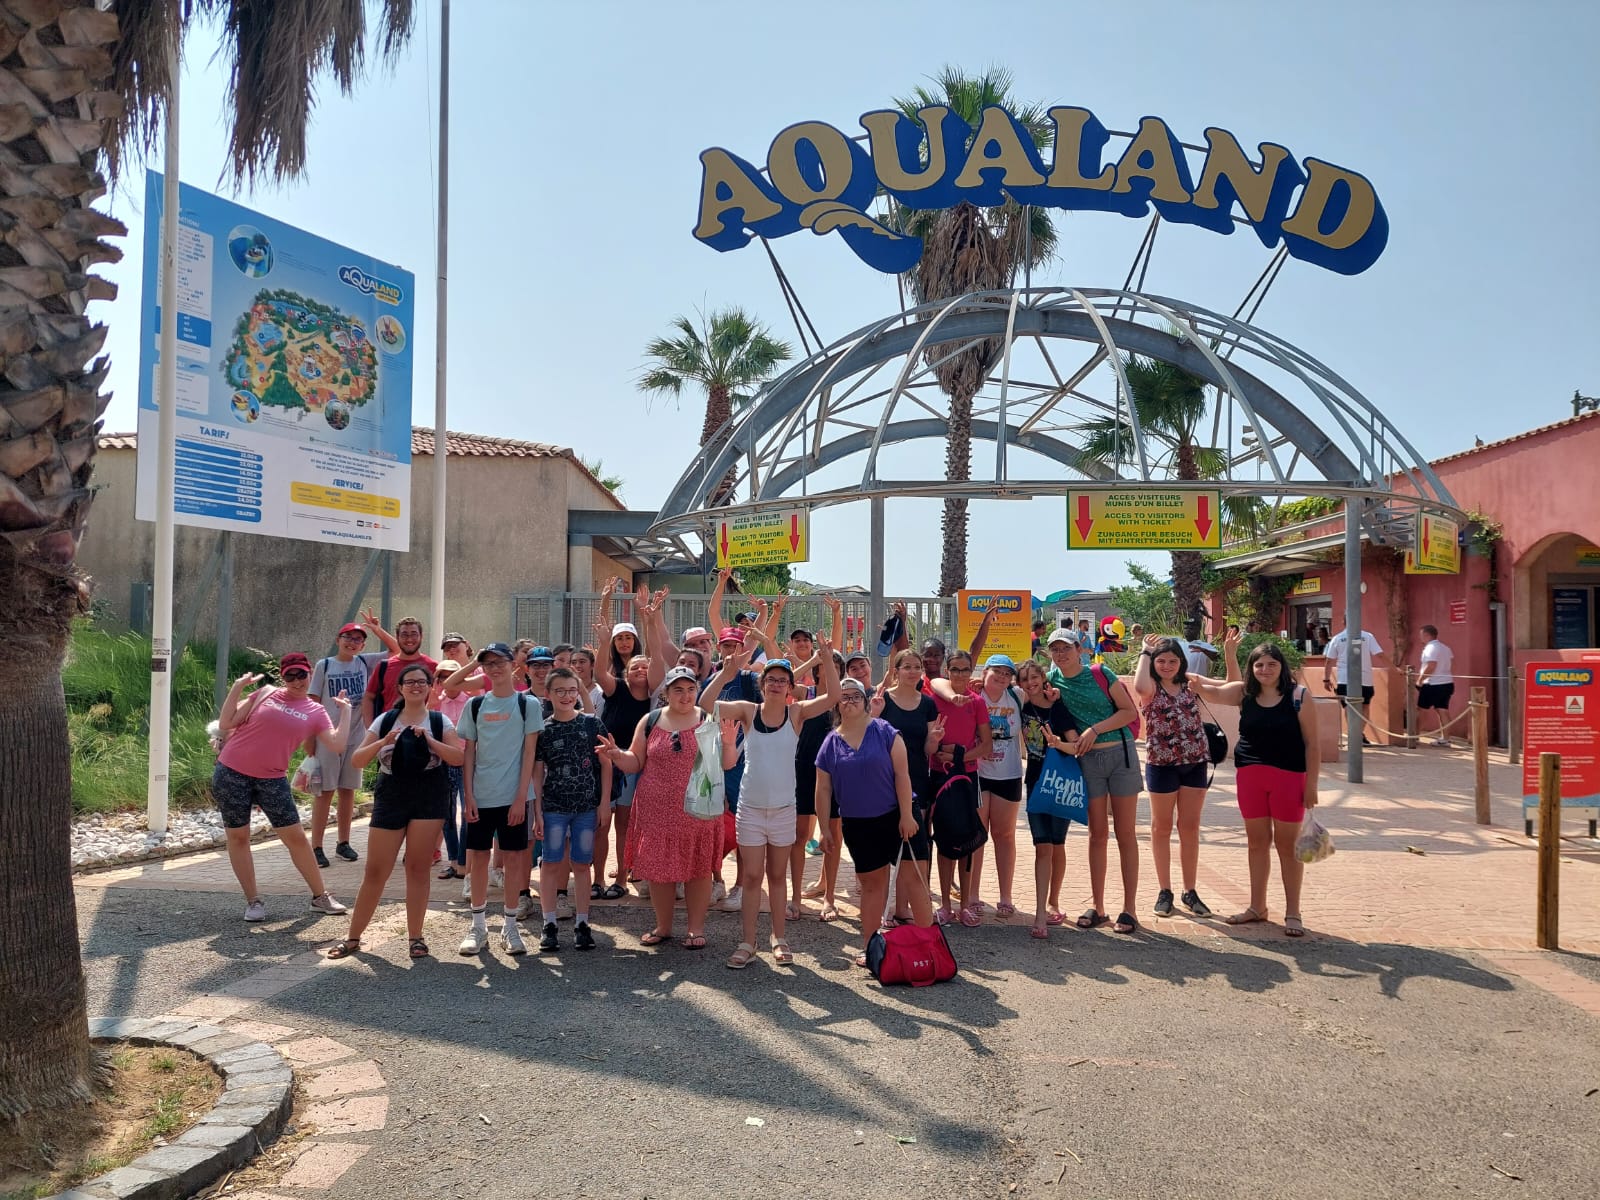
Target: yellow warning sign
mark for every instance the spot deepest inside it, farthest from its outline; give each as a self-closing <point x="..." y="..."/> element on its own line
<point x="1436" y="547"/>
<point x="1144" y="520"/>
<point x="759" y="539"/>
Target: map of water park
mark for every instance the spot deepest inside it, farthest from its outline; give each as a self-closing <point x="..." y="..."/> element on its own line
<point x="292" y="352"/>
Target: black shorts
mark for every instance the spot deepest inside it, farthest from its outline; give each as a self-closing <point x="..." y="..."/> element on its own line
<point x="492" y="826"/>
<point x="1366" y="692"/>
<point x="1435" y="695"/>
<point x="873" y="842"/>
<point x="920" y="846"/>
<point x="1006" y="789"/>
<point x="395" y="804"/>
<point x="1163" y="779"/>
<point x="1048" y="829"/>
<point x="805" y="791"/>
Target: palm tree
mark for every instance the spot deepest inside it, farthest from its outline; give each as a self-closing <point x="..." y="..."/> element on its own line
<point x="730" y="355"/>
<point x="970" y="249"/>
<point x="597" y="468"/>
<point x="93" y="87"/>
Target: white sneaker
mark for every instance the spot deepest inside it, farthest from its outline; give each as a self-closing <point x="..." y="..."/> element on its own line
<point x="719" y="892"/>
<point x="642" y="886"/>
<point x="497" y="877"/>
<point x="525" y="908"/>
<point x="511" y="939"/>
<point x="735" y="900"/>
<point x="564" y="909"/>
<point x="325" y="903"/>
<point x="256" y="910"/>
<point x="680" y="891"/>
<point x="466" y="888"/>
<point x="477" y="938"/>
<point x="1441" y="741"/>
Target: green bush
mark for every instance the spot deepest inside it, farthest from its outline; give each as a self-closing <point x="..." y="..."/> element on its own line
<point x="1292" y="654"/>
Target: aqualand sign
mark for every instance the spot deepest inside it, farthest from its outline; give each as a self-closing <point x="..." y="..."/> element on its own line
<point x="820" y="179"/>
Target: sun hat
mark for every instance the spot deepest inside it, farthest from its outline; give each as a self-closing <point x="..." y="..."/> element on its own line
<point x="448" y="666"/>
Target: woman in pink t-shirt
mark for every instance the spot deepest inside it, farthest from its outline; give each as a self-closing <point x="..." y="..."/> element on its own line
<point x="262" y="731"/>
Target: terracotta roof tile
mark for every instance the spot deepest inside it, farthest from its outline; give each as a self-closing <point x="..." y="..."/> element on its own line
<point x="1517" y="437"/>
<point x="421" y="443"/>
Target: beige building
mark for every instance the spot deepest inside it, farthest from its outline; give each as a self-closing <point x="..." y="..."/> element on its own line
<point x="525" y="519"/>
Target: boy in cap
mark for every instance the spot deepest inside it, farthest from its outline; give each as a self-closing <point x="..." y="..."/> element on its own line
<point x="344" y="673"/>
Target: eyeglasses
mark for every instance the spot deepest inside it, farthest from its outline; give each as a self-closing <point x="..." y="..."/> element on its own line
<point x="354" y="637"/>
<point x="294" y="675"/>
<point x="417" y="683"/>
<point x="565" y="692"/>
<point x="851" y="698"/>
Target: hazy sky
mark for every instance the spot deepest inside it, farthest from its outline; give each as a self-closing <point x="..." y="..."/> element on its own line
<point x="575" y="136"/>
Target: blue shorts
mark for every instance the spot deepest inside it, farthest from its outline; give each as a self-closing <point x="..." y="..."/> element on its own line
<point x="1048" y="829"/>
<point x="1165" y="779"/>
<point x="624" y="798"/>
<point x="574" y="832"/>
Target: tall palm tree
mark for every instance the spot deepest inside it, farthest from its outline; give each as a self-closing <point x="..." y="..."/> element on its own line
<point x="729" y="354"/>
<point x="970" y="249"/>
<point x="88" y="90"/>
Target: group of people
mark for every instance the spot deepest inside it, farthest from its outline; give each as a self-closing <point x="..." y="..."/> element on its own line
<point x="678" y="752"/>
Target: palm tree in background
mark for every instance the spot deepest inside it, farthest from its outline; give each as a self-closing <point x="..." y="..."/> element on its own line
<point x="730" y="355"/>
<point x="88" y="91"/>
<point x="597" y="468"/>
<point x="970" y="249"/>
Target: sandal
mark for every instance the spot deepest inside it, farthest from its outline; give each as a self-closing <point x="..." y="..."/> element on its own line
<point x="654" y="938"/>
<point x="943" y="916"/>
<point x="793" y="911"/>
<point x="1293" y="926"/>
<point x="450" y="872"/>
<point x="1125" y="924"/>
<point x="815" y="891"/>
<point x="1039" y="931"/>
<point x="1005" y="909"/>
<point x="596" y="892"/>
<point x="829" y="913"/>
<point x="419" y="948"/>
<point x="695" y="941"/>
<point x="860" y="960"/>
<point x="740" y="958"/>
<point x="345" y="948"/>
<point x="781" y="952"/>
<point x="1092" y="919"/>
<point x="615" y="892"/>
<point x="1055" y="916"/>
<point x="1248" y="917"/>
<point x="971" y="917"/>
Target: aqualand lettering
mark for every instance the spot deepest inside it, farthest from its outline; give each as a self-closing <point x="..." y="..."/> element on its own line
<point x="1559" y="677"/>
<point x="819" y="179"/>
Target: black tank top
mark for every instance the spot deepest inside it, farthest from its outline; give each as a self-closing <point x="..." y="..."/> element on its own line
<point x="1270" y="737"/>
<point x="622" y="713"/>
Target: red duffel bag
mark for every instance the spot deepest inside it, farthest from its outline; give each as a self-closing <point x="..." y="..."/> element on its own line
<point x="911" y="954"/>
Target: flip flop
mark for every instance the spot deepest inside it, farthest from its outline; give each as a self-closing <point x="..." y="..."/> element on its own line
<point x="695" y="941"/>
<point x="1248" y="917"/>
<point x="1039" y="931"/>
<point x="829" y="913"/>
<point x="971" y="917"/>
<point x="653" y="938"/>
<point x="1005" y="909"/>
<point x="1055" y="917"/>
<point x="1092" y="919"/>
<point x="793" y="911"/>
<point x="860" y="960"/>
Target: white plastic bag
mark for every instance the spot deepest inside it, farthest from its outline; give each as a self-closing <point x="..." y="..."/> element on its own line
<point x="1314" y="843"/>
<point x="704" y="798"/>
<point x="308" y="776"/>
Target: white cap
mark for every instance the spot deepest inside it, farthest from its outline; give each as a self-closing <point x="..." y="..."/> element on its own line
<point x="624" y="627"/>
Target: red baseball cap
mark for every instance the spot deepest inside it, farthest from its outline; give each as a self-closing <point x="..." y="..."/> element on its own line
<point x="293" y="659"/>
<point x="731" y="633"/>
<point x="354" y="628"/>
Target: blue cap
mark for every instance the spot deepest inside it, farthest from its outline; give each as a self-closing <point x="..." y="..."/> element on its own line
<point x="999" y="660"/>
<point x="542" y="654"/>
<point x="499" y="648"/>
<point x="889" y="635"/>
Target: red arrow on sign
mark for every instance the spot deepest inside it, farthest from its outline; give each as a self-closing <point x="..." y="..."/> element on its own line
<point x="724" y="539"/>
<point x="1084" y="521"/>
<point x="1203" y="521"/>
<point x="794" y="533"/>
<point x="1425" y="531"/>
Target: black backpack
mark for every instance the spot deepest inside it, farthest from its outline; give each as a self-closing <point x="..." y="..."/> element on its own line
<point x="957" y="830"/>
<point x="410" y="756"/>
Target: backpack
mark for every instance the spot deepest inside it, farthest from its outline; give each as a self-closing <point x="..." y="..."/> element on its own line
<point x="410" y="755"/>
<point x="1105" y="686"/>
<point x="957" y="831"/>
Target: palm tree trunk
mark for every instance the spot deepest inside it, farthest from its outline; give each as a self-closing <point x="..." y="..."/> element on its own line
<point x="958" y="468"/>
<point x="719" y="407"/>
<point x="53" y="130"/>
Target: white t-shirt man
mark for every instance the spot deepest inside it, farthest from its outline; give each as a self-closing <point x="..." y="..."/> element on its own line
<point x="1338" y="652"/>
<point x="1194" y="653"/>
<point x="1442" y="658"/>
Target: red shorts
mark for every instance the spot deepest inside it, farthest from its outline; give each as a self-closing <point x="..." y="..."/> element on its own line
<point x="1272" y="792"/>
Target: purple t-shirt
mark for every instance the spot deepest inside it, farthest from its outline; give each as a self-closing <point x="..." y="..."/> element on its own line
<point x="863" y="778"/>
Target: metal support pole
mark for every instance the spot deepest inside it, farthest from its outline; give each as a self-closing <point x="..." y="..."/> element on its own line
<point x="224" y="619"/>
<point x="161" y="661"/>
<point x="1480" y="754"/>
<point x="436" y="594"/>
<point x="1547" y="932"/>
<point x="1411" y="708"/>
<point x="1514" y="742"/>
<point x="374" y="557"/>
<point x="386" y="603"/>
<point x="1354" y="729"/>
<point x="875" y="583"/>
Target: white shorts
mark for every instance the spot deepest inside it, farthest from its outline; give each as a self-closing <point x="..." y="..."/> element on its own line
<point x="764" y="826"/>
<point x="337" y="769"/>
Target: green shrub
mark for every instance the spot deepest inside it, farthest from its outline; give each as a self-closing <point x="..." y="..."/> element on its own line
<point x="1292" y="654"/>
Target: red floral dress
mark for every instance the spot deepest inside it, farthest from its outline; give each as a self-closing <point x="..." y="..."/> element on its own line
<point x="666" y="844"/>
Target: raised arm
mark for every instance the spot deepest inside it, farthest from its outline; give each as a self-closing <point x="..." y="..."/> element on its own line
<point x="714" y="608"/>
<point x="1144" y="681"/>
<point x="982" y="638"/>
<point x="836" y="611"/>
<point x="335" y="740"/>
<point x="829" y="672"/>
<point x="369" y="619"/>
<point x="234" y="711"/>
<point x="602" y="658"/>
<point x="1230" y="653"/>
<point x="663" y="651"/>
<point x="1218" y="691"/>
<point x="731" y="666"/>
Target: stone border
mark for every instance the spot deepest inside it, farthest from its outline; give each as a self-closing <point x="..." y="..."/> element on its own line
<point x="257" y="1096"/>
<point x="161" y="850"/>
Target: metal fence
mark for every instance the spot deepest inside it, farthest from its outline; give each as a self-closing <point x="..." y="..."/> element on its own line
<point x="570" y="616"/>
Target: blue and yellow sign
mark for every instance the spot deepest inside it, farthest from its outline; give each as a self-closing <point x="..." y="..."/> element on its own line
<point x="820" y="179"/>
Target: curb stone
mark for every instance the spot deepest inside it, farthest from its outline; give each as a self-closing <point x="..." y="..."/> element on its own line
<point x="257" y="1095"/>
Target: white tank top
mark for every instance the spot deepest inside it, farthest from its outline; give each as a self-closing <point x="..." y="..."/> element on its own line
<point x="769" y="765"/>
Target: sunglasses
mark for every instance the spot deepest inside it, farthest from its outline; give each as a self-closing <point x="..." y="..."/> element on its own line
<point x="677" y="742"/>
<point x="294" y="674"/>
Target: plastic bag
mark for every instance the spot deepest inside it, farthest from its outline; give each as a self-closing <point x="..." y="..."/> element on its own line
<point x="705" y="798"/>
<point x="1314" y="843"/>
<point x="308" y="776"/>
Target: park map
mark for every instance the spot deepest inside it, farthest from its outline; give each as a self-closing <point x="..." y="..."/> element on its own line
<point x="292" y="352"/>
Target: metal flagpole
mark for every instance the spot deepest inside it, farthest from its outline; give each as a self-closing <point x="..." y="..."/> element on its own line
<point x="436" y="609"/>
<point x="161" y="664"/>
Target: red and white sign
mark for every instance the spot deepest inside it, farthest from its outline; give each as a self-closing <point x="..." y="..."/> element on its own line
<point x="1458" y="612"/>
<point x="1561" y="715"/>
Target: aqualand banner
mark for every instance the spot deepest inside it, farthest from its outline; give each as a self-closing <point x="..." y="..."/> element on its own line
<point x="294" y="379"/>
<point x="821" y="179"/>
<point x="1011" y="631"/>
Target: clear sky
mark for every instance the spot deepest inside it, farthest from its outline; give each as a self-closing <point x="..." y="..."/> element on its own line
<point x="575" y="177"/>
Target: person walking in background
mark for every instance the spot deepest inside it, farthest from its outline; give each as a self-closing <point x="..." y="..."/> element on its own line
<point x="345" y="673"/>
<point x="1177" y="766"/>
<point x="1337" y="667"/>
<point x="1436" y="683"/>
<point x="262" y="732"/>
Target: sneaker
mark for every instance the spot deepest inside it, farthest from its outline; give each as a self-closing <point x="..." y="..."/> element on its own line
<point x="497" y="877"/>
<point x="1164" y="903"/>
<point x="564" y="909"/>
<point x="582" y="939"/>
<point x="526" y="908"/>
<point x="549" y="941"/>
<point x="325" y="903"/>
<point x="1441" y="741"/>
<point x="256" y="910"/>
<point x="680" y="891"/>
<point x="943" y="916"/>
<point x="477" y="938"/>
<point x="813" y="848"/>
<point x="1192" y="901"/>
<point x="511" y="939"/>
<point x="347" y="852"/>
<point x="719" y="892"/>
<point x="466" y="887"/>
<point x="642" y="886"/>
<point x="322" y="859"/>
<point x="734" y="900"/>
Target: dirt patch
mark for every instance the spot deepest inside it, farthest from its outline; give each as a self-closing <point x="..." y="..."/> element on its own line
<point x="149" y="1096"/>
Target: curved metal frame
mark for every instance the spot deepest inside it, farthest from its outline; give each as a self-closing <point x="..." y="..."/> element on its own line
<point x="826" y="409"/>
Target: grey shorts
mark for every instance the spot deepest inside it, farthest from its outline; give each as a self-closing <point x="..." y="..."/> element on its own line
<point x="1112" y="770"/>
<point x="337" y="769"/>
<point x="235" y="795"/>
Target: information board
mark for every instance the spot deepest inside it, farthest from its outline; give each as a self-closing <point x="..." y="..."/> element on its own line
<point x="1571" y="620"/>
<point x="1011" y="631"/>
<point x="1561" y="715"/>
<point x="758" y="539"/>
<point x="294" y="379"/>
<point x="1436" y="547"/>
<point x="1144" y="520"/>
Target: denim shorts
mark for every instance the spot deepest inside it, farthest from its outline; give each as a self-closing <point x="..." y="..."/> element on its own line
<point x="236" y="794"/>
<point x="573" y="832"/>
<point x="624" y="798"/>
<point x="1111" y="770"/>
<point x="1164" y="779"/>
<point x="1048" y="829"/>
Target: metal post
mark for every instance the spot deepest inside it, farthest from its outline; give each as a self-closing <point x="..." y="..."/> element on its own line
<point x="875" y="583"/>
<point x="1480" y="754"/>
<point x="386" y="602"/>
<point x="1547" y="932"/>
<point x="1354" y="729"/>
<point x="374" y="557"/>
<point x="436" y="595"/>
<point x="161" y="662"/>
<point x="1411" y="708"/>
<point x="1514" y="741"/>
<point x="224" y="619"/>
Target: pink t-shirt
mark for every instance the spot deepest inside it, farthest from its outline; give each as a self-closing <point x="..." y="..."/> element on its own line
<point x="451" y="706"/>
<point x="263" y="745"/>
<point x="961" y="723"/>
